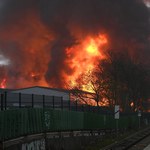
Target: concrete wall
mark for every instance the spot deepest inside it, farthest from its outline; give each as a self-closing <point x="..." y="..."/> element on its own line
<point x="53" y="141"/>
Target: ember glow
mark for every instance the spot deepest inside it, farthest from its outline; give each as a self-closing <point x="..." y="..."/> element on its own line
<point x="3" y="84"/>
<point x="131" y="104"/>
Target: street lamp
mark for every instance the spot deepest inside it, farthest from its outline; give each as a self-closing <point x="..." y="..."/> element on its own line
<point x="139" y="116"/>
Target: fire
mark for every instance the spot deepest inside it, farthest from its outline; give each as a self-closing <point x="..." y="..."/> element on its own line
<point x="104" y="102"/>
<point x="3" y="83"/>
<point x="85" y="56"/>
<point x="93" y="45"/>
<point x="92" y="48"/>
<point x="35" y="76"/>
<point x="132" y="104"/>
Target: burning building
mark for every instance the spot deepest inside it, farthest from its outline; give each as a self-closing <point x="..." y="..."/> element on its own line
<point x="50" y="43"/>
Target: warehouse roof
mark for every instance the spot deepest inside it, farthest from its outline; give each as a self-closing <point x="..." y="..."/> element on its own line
<point x="55" y="89"/>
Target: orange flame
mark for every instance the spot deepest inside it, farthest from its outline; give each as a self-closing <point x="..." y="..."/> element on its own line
<point x="3" y="83"/>
<point x="85" y="56"/>
<point x="131" y="104"/>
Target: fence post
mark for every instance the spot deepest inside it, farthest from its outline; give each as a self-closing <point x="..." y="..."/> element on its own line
<point x="19" y="100"/>
<point x="32" y="100"/>
<point x="62" y="103"/>
<point x="89" y="108"/>
<point x="76" y="105"/>
<point x="82" y="108"/>
<point x="2" y="96"/>
<point x="53" y="102"/>
<point x="5" y="100"/>
<point x="43" y="101"/>
<point x="69" y="104"/>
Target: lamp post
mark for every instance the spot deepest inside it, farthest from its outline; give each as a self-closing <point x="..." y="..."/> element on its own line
<point x="117" y="113"/>
<point x="139" y="116"/>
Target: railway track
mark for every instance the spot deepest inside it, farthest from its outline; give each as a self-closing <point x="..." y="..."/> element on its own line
<point x="130" y="141"/>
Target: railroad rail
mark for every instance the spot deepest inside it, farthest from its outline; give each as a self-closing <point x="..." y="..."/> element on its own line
<point x="130" y="141"/>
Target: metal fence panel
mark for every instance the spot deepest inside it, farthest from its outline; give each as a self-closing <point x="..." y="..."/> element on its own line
<point x="26" y="121"/>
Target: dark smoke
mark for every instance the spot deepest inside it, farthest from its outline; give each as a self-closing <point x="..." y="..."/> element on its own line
<point x="127" y="23"/>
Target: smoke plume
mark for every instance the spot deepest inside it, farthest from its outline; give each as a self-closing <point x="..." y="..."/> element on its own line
<point x="37" y="36"/>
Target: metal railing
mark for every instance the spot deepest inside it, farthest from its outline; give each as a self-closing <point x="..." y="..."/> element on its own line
<point x="19" y="100"/>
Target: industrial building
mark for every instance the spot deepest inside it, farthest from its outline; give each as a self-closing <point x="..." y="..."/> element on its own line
<point x="36" y="96"/>
<point x="38" y="90"/>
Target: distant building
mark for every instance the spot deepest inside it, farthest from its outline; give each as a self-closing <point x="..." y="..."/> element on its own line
<point x="38" y="90"/>
<point x="35" y="97"/>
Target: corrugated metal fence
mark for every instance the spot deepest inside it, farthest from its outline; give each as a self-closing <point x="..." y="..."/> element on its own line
<point x="27" y="121"/>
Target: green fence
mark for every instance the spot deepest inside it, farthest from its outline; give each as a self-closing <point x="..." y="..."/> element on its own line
<point x="21" y="122"/>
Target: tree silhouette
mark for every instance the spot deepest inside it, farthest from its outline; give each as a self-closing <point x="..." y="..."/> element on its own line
<point x="118" y="80"/>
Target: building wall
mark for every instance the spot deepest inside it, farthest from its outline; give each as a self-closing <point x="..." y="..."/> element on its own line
<point x="43" y="91"/>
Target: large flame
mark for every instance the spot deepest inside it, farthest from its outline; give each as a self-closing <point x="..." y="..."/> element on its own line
<point x="85" y="56"/>
<point x="3" y="83"/>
